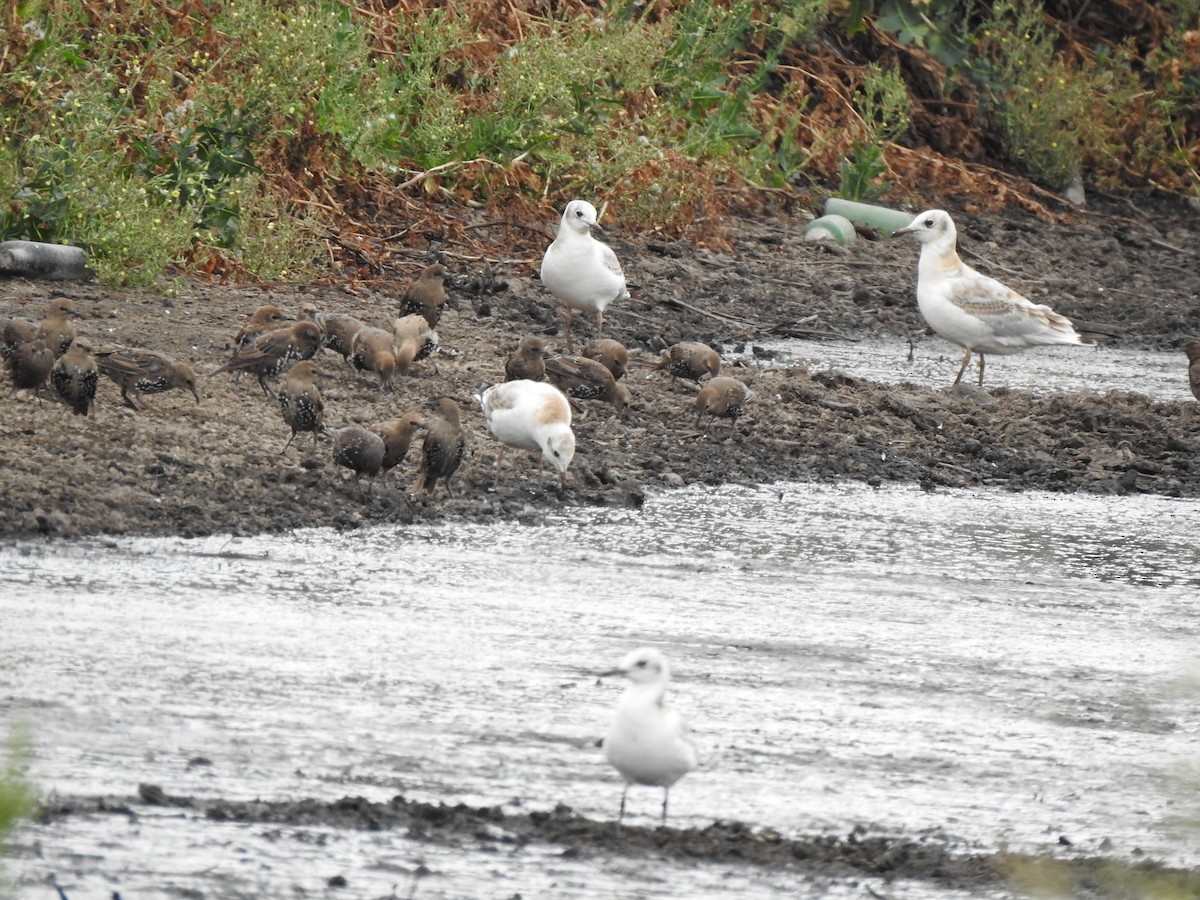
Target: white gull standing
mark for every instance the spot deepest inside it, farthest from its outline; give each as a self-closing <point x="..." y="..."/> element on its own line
<point x="583" y="273"/>
<point x="531" y="415"/>
<point x="648" y="743"/>
<point x="971" y="309"/>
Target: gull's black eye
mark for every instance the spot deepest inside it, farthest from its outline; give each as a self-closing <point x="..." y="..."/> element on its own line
<point x="929" y="223"/>
<point x="641" y="664"/>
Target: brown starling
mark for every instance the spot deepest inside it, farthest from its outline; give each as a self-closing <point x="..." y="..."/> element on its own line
<point x="56" y="330"/>
<point x="611" y="353"/>
<point x="586" y="379"/>
<point x="427" y="295"/>
<point x="74" y="377"/>
<point x="146" y="372"/>
<point x="274" y="351"/>
<point x="527" y="362"/>
<point x="722" y="398"/>
<point x="1192" y="349"/>
<point x="262" y="320"/>
<point x="443" y="449"/>
<point x="339" y="329"/>
<point x="359" y="450"/>
<point x="690" y="360"/>
<point x="13" y="333"/>
<point x="372" y="350"/>
<point x="300" y="401"/>
<point x="27" y="358"/>
<point x="414" y="340"/>
<point x="397" y="437"/>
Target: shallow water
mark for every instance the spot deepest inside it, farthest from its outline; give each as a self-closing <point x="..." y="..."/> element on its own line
<point x="985" y="669"/>
<point x="1096" y="369"/>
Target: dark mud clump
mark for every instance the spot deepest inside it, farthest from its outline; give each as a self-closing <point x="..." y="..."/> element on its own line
<point x="820" y="858"/>
<point x="188" y="469"/>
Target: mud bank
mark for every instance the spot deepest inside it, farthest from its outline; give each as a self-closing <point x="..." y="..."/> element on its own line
<point x="183" y="468"/>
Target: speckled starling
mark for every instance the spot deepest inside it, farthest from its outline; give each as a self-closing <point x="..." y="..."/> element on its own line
<point x="690" y="360"/>
<point x="373" y="351"/>
<point x="612" y="354"/>
<point x="427" y="295"/>
<point x="145" y="372"/>
<point x="443" y="449"/>
<point x="528" y="361"/>
<point x="57" y="330"/>
<point x="414" y="340"/>
<point x="359" y="450"/>
<point x="27" y="359"/>
<point x="74" y="377"/>
<point x="397" y="437"/>
<point x="264" y="319"/>
<point x="722" y="398"/>
<point x="274" y="352"/>
<point x="586" y="379"/>
<point x="300" y="401"/>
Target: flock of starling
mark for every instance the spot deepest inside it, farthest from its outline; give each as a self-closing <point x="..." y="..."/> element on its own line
<point x="281" y="352"/>
<point x="51" y="353"/>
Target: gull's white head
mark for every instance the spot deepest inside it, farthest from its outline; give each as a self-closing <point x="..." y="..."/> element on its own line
<point x="930" y="226"/>
<point x="644" y="665"/>
<point x="579" y="216"/>
<point x="558" y="449"/>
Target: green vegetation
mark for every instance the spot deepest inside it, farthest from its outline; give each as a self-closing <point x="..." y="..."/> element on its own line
<point x="17" y="797"/>
<point x="232" y="138"/>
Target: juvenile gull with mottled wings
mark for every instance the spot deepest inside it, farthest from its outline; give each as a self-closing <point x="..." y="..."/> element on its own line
<point x="973" y="310"/>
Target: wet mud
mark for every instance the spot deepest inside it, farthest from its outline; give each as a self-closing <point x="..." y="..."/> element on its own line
<point x="818" y="858"/>
<point x="183" y="468"/>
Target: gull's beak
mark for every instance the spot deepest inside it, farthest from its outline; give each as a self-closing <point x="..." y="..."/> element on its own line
<point x="907" y="229"/>
<point x="611" y="672"/>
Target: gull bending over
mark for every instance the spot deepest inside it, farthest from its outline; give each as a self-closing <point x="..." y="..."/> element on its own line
<point x="583" y="273"/>
<point x="972" y="310"/>
<point x="648" y="743"/>
<point x="531" y="415"/>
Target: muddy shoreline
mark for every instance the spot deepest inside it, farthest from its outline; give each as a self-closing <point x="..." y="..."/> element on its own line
<point x="816" y="859"/>
<point x="187" y="469"/>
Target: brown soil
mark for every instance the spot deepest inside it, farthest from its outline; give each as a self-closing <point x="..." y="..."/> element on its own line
<point x="183" y="468"/>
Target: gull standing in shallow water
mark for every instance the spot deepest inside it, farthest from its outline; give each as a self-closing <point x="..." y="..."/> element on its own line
<point x="579" y="270"/>
<point x="648" y="743"/>
<point x="972" y="310"/>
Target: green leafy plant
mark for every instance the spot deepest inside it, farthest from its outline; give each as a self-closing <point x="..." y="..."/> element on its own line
<point x="936" y="25"/>
<point x="861" y="173"/>
<point x="17" y="796"/>
<point x="885" y="110"/>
